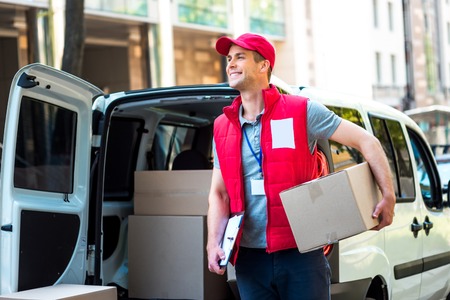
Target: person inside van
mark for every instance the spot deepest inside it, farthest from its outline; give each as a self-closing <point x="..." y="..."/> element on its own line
<point x="264" y="144"/>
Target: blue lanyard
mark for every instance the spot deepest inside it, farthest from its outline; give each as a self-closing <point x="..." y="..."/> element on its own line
<point x="258" y="159"/>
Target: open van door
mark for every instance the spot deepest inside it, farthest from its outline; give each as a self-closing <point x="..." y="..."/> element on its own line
<point x="45" y="179"/>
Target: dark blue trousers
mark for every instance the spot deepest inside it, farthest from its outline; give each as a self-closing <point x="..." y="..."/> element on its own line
<point x="282" y="275"/>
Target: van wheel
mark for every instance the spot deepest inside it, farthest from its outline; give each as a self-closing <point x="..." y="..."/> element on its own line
<point x="377" y="290"/>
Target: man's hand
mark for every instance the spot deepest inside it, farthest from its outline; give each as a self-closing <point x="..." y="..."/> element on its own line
<point x="215" y="254"/>
<point x="384" y="212"/>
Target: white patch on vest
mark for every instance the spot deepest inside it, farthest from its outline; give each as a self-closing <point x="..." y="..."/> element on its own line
<point x="282" y="133"/>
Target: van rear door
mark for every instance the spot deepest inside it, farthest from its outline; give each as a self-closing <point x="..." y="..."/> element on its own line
<point x="45" y="179"/>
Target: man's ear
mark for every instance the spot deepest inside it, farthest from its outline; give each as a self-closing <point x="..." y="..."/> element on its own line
<point x="265" y="65"/>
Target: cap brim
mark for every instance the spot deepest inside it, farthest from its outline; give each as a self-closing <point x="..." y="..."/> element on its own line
<point x="223" y="45"/>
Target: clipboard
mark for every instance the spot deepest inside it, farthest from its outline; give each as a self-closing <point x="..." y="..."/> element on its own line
<point x="229" y="237"/>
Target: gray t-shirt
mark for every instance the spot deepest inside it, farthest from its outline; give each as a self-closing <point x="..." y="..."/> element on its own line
<point x="321" y="123"/>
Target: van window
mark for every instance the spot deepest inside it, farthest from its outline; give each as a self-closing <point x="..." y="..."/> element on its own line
<point x="349" y="114"/>
<point x="344" y="156"/>
<point x="392" y="139"/>
<point x="124" y="138"/>
<point x="169" y="141"/>
<point x="427" y="173"/>
<point x="45" y="148"/>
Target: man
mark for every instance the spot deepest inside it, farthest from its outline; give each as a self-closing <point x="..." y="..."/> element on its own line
<point x="264" y="144"/>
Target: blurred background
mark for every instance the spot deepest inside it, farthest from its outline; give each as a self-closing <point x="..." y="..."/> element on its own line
<point x="393" y="51"/>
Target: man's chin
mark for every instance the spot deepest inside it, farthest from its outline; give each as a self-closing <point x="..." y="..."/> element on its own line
<point x="233" y="84"/>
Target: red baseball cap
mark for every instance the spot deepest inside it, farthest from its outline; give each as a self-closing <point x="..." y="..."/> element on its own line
<point x="248" y="41"/>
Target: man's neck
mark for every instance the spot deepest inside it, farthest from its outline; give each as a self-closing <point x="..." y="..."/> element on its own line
<point x="252" y="104"/>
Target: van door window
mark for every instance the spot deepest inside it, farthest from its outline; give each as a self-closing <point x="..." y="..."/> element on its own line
<point x="426" y="172"/>
<point x="392" y="139"/>
<point x="45" y="147"/>
<point x="344" y="156"/>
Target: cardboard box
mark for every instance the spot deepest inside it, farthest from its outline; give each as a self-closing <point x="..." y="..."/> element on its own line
<point x="67" y="291"/>
<point x="332" y="207"/>
<point x="167" y="259"/>
<point x="172" y="192"/>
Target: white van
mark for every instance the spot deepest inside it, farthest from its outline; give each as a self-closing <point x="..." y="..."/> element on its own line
<point x="67" y="187"/>
<point x="410" y="259"/>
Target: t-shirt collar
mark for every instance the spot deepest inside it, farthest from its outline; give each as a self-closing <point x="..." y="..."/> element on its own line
<point x="243" y="121"/>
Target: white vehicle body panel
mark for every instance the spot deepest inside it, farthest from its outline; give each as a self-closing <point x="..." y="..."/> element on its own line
<point x="71" y="94"/>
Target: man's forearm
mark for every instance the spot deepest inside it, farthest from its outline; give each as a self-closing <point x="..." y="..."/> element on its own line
<point x="218" y="214"/>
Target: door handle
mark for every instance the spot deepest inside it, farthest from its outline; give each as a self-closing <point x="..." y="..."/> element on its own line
<point x="427" y="225"/>
<point x="7" y="227"/>
<point x="416" y="227"/>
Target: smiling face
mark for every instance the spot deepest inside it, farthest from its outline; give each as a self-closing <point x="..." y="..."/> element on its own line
<point x="243" y="71"/>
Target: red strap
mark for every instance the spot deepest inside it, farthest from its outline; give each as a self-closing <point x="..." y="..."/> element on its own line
<point x="322" y="164"/>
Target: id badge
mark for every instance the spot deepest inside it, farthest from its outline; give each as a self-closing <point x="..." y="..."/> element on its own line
<point x="257" y="187"/>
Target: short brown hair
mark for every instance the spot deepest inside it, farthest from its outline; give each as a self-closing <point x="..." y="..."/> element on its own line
<point x="259" y="58"/>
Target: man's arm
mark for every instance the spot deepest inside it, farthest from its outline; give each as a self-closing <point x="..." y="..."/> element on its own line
<point x="218" y="215"/>
<point x="354" y="136"/>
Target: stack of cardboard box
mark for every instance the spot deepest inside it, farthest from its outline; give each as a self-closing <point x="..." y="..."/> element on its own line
<point x="167" y="237"/>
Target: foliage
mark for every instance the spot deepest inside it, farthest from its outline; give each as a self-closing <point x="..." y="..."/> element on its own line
<point x="203" y="12"/>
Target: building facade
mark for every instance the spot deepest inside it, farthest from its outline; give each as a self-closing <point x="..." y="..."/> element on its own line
<point x="392" y="51"/>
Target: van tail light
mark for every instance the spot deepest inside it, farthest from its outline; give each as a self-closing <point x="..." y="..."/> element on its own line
<point x="327" y="249"/>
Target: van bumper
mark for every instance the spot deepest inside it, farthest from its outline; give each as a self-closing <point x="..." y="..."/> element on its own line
<point x="350" y="290"/>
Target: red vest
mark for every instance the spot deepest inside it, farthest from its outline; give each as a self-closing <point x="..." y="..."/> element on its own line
<point x="283" y="168"/>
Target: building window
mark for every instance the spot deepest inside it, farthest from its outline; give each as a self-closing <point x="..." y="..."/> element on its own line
<point x="203" y="12"/>
<point x="378" y="67"/>
<point x="267" y="17"/>
<point x="393" y="69"/>
<point x="390" y="16"/>
<point x="127" y="7"/>
<point x="431" y="64"/>
<point x="448" y="33"/>
<point x="375" y="13"/>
